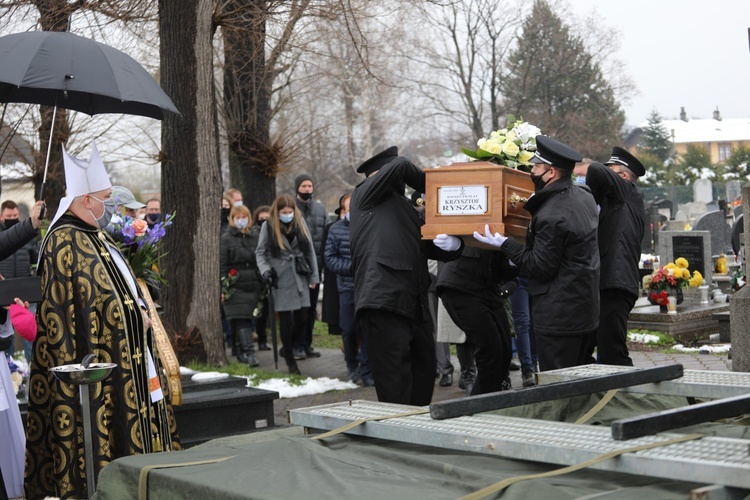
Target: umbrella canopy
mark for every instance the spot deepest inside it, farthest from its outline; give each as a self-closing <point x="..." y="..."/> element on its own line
<point x="72" y="72"/>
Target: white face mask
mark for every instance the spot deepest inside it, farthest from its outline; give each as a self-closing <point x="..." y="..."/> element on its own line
<point x="238" y="203"/>
<point x="241" y="223"/>
<point x="108" y="210"/>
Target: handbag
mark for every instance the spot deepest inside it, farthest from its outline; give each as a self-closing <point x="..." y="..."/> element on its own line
<point x="301" y="265"/>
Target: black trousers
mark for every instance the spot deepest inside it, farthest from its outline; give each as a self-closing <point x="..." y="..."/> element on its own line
<point x="562" y="351"/>
<point x="401" y="352"/>
<point x="486" y="327"/>
<point x="612" y="334"/>
<point x="291" y="324"/>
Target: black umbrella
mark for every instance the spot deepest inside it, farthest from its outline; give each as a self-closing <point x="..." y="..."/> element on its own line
<point x="64" y="70"/>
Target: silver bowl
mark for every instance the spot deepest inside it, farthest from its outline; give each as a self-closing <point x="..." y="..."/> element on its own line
<point x="78" y="375"/>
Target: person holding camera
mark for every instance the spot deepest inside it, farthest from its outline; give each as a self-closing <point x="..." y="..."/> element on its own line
<point x="287" y="262"/>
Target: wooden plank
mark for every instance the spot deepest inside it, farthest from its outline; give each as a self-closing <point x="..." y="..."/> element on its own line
<point x="508" y="399"/>
<point x="653" y="423"/>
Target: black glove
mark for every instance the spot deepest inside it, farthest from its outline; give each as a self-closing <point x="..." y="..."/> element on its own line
<point x="270" y="278"/>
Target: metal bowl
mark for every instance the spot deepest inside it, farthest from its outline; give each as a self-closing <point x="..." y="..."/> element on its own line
<point x="78" y="375"/>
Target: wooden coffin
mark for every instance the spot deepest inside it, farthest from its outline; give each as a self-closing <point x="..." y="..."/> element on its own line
<point x="463" y="197"/>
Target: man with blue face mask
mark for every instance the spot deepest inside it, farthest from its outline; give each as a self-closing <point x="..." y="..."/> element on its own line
<point x="91" y="304"/>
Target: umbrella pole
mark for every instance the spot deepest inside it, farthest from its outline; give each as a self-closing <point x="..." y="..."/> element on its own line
<point x="49" y="150"/>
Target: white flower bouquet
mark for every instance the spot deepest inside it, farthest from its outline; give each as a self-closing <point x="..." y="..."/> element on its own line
<point x="512" y="146"/>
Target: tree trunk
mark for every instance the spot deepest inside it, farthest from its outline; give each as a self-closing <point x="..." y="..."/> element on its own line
<point x="253" y="160"/>
<point x="191" y="177"/>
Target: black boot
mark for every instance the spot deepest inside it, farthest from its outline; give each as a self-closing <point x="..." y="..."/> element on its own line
<point x="291" y="364"/>
<point x="246" y="347"/>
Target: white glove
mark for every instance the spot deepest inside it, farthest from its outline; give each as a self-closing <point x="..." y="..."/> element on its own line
<point x="495" y="241"/>
<point x="447" y="243"/>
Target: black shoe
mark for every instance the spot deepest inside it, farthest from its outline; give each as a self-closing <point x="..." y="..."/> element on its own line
<point x="252" y="361"/>
<point x="293" y="368"/>
<point x="368" y="382"/>
<point x="299" y="353"/>
<point x="352" y="376"/>
<point x="527" y="374"/>
<point x="506" y="385"/>
<point x="514" y="366"/>
<point x="446" y="379"/>
<point x="264" y="347"/>
<point x="311" y="353"/>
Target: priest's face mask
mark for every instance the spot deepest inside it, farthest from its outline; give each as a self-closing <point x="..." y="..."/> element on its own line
<point x="107" y="210"/>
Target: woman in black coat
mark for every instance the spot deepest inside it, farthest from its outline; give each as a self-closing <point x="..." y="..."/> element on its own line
<point x="238" y="245"/>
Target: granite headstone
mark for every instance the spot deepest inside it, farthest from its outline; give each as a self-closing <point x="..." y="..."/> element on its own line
<point x="703" y="191"/>
<point x="739" y="307"/>
<point x="733" y="190"/>
<point x="721" y="234"/>
<point x="695" y="246"/>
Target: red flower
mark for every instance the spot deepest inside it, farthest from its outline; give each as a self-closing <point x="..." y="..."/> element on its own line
<point x="661" y="298"/>
<point x="233" y="272"/>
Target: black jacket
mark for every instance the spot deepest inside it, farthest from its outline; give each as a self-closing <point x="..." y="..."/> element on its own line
<point x="621" y="224"/>
<point x="485" y="274"/>
<point x="338" y="255"/>
<point x="238" y="253"/>
<point x="562" y="259"/>
<point x="316" y="218"/>
<point x="16" y="237"/>
<point x="18" y="265"/>
<point x="388" y="253"/>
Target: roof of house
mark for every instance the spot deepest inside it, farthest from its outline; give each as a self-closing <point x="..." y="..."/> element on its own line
<point x="708" y="130"/>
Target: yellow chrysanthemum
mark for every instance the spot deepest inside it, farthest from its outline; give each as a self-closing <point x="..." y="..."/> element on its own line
<point x="670" y="266"/>
<point x="681" y="262"/>
<point x="686" y="274"/>
<point x="696" y="280"/>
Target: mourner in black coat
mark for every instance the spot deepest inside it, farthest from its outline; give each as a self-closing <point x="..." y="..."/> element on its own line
<point x="621" y="224"/>
<point x="473" y="289"/>
<point x="561" y="256"/>
<point x="391" y="278"/>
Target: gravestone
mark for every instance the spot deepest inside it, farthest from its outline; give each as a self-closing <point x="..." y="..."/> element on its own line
<point x="713" y="207"/>
<point x="664" y="207"/>
<point x="703" y="191"/>
<point x="733" y="190"/>
<point x="721" y="234"/>
<point x="737" y="211"/>
<point x="695" y="246"/>
<point x="693" y="209"/>
<point x="651" y="229"/>
<point x="681" y="215"/>
<point x="739" y="307"/>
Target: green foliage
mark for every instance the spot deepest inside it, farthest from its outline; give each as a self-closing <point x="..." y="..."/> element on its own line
<point x="656" y="140"/>
<point x="691" y="164"/>
<point x="657" y="174"/>
<point x="555" y="83"/>
<point x="738" y="165"/>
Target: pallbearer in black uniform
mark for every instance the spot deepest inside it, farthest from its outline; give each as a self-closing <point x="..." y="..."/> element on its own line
<point x="561" y="257"/>
<point x="621" y="224"/>
<point x="391" y="278"/>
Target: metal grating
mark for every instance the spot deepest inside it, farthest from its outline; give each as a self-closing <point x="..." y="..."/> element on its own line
<point x="709" y="460"/>
<point x="694" y="383"/>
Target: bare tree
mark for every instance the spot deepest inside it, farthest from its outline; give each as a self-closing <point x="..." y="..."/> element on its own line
<point x="191" y="175"/>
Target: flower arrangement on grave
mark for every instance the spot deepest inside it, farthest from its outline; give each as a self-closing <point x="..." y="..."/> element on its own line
<point x="18" y="371"/>
<point x="139" y="244"/>
<point x="512" y="146"/>
<point x="228" y="281"/>
<point x="666" y="280"/>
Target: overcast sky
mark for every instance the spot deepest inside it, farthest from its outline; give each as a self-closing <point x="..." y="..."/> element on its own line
<point x="681" y="53"/>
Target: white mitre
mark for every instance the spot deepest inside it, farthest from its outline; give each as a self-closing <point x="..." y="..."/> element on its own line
<point x="82" y="177"/>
